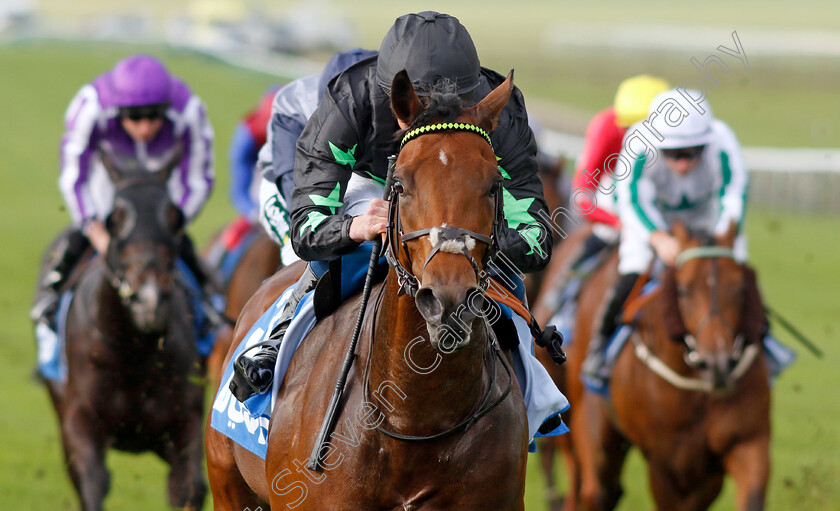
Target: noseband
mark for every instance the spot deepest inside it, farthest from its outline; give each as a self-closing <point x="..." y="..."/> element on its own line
<point x="443" y="238"/>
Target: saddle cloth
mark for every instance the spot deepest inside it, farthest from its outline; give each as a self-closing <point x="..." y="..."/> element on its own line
<point x="247" y="423"/>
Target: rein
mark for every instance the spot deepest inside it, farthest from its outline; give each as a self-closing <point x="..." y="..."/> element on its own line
<point x="482" y="409"/>
<point x="745" y="355"/>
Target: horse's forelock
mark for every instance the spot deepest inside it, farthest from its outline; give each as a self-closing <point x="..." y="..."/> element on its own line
<point x="441" y="105"/>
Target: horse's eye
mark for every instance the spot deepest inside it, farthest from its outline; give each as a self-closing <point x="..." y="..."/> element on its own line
<point x="495" y="187"/>
<point x="399" y="188"/>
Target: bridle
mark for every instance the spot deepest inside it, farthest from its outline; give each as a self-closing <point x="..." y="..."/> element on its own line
<point x="444" y="238"/>
<point x="743" y="355"/>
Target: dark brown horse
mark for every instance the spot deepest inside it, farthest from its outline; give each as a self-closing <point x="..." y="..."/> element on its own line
<point x="401" y="384"/>
<point x="131" y="353"/>
<point x="689" y="388"/>
<point x="259" y="262"/>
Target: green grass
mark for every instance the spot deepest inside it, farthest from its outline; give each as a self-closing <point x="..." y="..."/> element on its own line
<point x="794" y="254"/>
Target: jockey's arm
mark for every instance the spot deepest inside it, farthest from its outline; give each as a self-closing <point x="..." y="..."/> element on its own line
<point x="527" y="236"/>
<point x="97" y="234"/>
<point x="196" y="169"/>
<point x="734" y="180"/>
<point x="78" y="153"/>
<point x="637" y="210"/>
<point x="326" y="154"/>
<point x="603" y="140"/>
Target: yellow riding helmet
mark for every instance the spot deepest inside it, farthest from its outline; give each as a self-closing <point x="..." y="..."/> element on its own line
<point x="633" y="98"/>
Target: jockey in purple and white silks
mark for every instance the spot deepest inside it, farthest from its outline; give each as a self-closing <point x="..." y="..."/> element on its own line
<point x="138" y="110"/>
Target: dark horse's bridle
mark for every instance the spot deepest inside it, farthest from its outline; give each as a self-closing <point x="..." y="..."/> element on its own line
<point x="409" y="284"/>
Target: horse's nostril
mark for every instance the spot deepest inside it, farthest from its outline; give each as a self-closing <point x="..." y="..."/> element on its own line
<point x="428" y="305"/>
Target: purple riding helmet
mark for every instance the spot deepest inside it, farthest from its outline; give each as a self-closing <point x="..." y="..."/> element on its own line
<point x="140" y="80"/>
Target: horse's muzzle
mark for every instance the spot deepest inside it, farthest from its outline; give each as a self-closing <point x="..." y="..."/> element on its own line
<point x="449" y="316"/>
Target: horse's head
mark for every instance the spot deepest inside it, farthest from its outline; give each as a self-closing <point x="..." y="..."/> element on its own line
<point x="445" y="205"/>
<point x="144" y="228"/>
<point x="711" y="305"/>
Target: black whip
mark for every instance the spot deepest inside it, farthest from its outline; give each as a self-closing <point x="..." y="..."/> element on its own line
<point x="329" y="419"/>
<point x="794" y="332"/>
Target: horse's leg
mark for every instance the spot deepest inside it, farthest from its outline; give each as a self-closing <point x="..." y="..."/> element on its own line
<point x="84" y="451"/>
<point x="571" y="497"/>
<point x="601" y="449"/>
<point x="670" y="495"/>
<point x="547" y="449"/>
<point x="749" y="465"/>
<point x="230" y="491"/>
<point x="187" y="488"/>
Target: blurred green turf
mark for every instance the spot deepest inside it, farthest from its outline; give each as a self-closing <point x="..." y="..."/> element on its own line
<point x="795" y="255"/>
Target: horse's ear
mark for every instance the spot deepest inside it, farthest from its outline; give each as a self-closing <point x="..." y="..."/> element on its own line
<point x="727" y="239"/>
<point x="680" y="232"/>
<point x="106" y="154"/>
<point x="173" y="158"/>
<point x="404" y="100"/>
<point x="487" y="111"/>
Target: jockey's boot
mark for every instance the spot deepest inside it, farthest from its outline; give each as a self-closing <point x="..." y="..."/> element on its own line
<point x="254" y="374"/>
<point x="62" y="261"/>
<point x="595" y="368"/>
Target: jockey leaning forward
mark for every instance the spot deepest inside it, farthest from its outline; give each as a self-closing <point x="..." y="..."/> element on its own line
<point x="602" y="144"/>
<point x="691" y="171"/>
<point x="142" y="112"/>
<point x="291" y="108"/>
<point x="342" y="158"/>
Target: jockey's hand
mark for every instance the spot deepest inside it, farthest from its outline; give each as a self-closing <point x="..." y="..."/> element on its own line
<point x="98" y="235"/>
<point x="372" y="223"/>
<point x="666" y="246"/>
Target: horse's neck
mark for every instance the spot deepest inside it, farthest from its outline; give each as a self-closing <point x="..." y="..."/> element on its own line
<point x="422" y="385"/>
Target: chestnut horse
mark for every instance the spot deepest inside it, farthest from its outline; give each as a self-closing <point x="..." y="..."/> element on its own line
<point x="555" y="278"/>
<point x="463" y="409"/>
<point x="259" y="262"/>
<point x="130" y="347"/>
<point x="689" y="388"/>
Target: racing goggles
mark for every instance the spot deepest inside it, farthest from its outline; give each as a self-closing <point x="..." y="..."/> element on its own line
<point x="138" y="113"/>
<point x="688" y="153"/>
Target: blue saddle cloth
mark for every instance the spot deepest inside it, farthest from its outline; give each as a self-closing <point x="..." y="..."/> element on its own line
<point x="52" y="360"/>
<point x="247" y="423"/>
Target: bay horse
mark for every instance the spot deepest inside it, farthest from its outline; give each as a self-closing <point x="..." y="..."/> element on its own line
<point x="463" y="410"/>
<point x="258" y="262"/>
<point x="690" y="388"/>
<point x="132" y="361"/>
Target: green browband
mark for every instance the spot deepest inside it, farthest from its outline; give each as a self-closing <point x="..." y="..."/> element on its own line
<point x="445" y="126"/>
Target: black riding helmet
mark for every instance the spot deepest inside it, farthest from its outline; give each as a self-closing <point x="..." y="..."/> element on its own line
<point x="430" y="46"/>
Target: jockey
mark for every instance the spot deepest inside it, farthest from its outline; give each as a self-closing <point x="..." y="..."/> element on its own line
<point x="692" y="172"/>
<point x="140" y="111"/>
<point x="248" y="137"/>
<point x="342" y="162"/>
<point x="597" y="159"/>
<point x="291" y="108"/>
